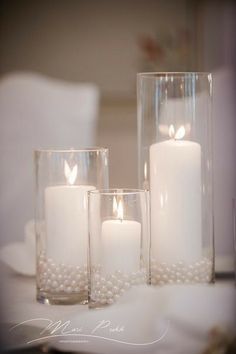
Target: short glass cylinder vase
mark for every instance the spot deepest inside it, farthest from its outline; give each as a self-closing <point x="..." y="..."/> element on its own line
<point x="63" y="179"/>
<point x="118" y="243"/>
<point x="175" y="165"/>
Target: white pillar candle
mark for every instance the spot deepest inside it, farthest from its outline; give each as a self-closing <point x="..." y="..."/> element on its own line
<point x="121" y="245"/>
<point x="66" y="216"/>
<point x="175" y="186"/>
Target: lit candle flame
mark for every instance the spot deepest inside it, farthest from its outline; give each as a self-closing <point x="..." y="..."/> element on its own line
<point x="70" y="174"/>
<point x="145" y="171"/>
<point x="120" y="213"/>
<point x="114" y="205"/>
<point x="171" y="131"/>
<point x="118" y="209"/>
<point x="179" y="134"/>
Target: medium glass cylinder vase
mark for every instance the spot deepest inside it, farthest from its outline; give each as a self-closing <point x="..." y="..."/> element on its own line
<point x="118" y="243"/>
<point x="175" y="164"/>
<point x="63" y="179"/>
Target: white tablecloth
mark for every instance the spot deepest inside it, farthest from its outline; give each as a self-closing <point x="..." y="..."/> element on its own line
<point x="169" y="319"/>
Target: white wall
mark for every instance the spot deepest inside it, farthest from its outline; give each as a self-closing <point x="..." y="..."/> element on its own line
<point x="219" y="55"/>
<point x="85" y="40"/>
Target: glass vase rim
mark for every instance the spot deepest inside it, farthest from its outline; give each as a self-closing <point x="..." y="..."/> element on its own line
<point x="159" y="74"/>
<point x="117" y="191"/>
<point x="69" y="150"/>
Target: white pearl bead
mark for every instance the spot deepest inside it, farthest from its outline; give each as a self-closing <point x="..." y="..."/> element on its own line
<point x="61" y="287"/>
<point x="113" y="278"/>
<point x="66" y="282"/>
<point x="119" y="283"/>
<point x="109" y="284"/>
<point x="96" y="277"/>
<point x="73" y="283"/>
<point x="109" y="294"/>
<point x="126" y="285"/>
<point x="115" y="289"/>
<point x="54" y="284"/>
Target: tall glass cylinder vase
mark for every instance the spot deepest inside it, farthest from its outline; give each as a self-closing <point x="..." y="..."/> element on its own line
<point x="175" y="164"/>
<point x="63" y="179"/>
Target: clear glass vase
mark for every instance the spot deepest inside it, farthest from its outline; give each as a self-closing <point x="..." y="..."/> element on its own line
<point x="175" y="164"/>
<point x="118" y="243"/>
<point x="63" y="179"/>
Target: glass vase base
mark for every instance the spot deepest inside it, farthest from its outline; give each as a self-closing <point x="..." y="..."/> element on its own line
<point x="182" y="273"/>
<point x="107" y="289"/>
<point x="96" y="305"/>
<point x="62" y="299"/>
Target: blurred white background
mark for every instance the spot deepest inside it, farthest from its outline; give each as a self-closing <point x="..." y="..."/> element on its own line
<point x="106" y="43"/>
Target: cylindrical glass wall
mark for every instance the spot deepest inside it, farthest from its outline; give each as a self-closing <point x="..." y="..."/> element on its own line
<point x="63" y="179"/>
<point x="118" y="243"/>
<point x="175" y="164"/>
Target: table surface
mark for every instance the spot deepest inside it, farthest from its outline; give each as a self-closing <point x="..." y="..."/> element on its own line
<point x="170" y="319"/>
